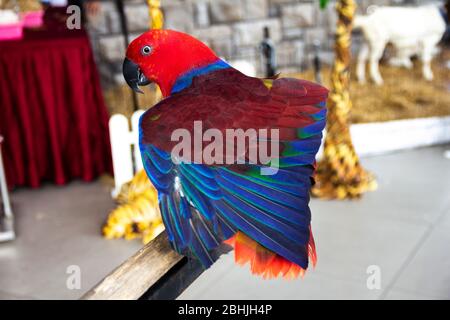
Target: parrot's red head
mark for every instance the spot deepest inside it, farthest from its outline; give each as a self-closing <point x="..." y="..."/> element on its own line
<point x="163" y="56"/>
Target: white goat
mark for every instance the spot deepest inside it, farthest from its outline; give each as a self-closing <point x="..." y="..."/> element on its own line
<point x="410" y="31"/>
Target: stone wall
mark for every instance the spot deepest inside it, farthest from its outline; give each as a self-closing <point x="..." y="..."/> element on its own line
<point x="233" y="28"/>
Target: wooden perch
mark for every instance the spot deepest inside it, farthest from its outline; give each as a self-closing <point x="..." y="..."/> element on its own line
<point x="136" y="275"/>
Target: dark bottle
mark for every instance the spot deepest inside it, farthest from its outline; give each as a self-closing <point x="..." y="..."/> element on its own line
<point x="268" y="52"/>
<point x="316" y="62"/>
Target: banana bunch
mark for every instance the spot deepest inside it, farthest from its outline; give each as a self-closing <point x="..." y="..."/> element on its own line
<point x="137" y="214"/>
<point x="133" y="189"/>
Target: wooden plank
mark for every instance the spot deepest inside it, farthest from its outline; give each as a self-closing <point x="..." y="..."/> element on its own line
<point x="136" y="275"/>
<point x="175" y="281"/>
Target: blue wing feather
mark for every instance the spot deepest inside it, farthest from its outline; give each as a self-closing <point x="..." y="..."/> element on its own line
<point x="212" y="203"/>
<point x="265" y="190"/>
<point x="265" y="203"/>
<point x="275" y="241"/>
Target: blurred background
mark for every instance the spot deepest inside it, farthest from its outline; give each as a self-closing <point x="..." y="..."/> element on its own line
<point x="72" y="182"/>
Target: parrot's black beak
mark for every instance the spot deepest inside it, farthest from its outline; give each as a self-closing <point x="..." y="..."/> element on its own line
<point x="133" y="75"/>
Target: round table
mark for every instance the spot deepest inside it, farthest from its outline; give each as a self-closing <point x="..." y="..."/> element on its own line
<point x="52" y="113"/>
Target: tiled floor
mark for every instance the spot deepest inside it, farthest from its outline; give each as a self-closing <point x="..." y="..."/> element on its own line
<point x="58" y="227"/>
<point x="403" y="228"/>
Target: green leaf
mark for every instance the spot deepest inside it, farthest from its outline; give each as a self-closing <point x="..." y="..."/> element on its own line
<point x="323" y="4"/>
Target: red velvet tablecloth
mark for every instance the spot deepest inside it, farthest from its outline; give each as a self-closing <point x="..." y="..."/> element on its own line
<point x="52" y="113"/>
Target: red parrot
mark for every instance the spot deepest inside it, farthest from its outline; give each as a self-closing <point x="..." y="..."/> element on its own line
<point x="206" y="207"/>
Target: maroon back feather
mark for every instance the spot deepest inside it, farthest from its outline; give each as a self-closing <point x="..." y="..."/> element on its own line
<point x="228" y="99"/>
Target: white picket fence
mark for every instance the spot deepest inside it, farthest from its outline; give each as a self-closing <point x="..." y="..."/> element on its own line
<point x="124" y="148"/>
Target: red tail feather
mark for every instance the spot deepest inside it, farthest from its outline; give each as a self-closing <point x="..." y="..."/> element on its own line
<point x="264" y="262"/>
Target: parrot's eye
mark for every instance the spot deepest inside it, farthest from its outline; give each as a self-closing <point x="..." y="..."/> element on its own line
<point x="146" y="50"/>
